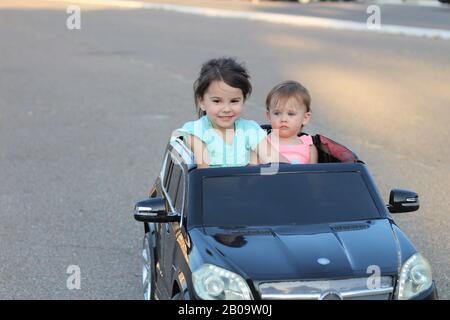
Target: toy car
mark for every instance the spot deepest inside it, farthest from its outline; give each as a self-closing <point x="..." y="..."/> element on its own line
<point x="318" y="231"/>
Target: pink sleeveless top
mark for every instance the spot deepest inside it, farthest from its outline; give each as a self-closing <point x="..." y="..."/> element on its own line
<point x="296" y="153"/>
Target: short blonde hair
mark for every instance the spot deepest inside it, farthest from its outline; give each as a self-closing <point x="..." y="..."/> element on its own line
<point x="286" y="90"/>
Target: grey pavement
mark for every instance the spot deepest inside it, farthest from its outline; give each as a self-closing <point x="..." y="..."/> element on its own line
<point x="85" y="116"/>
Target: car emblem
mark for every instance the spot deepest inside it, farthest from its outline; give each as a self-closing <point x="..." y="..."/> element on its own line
<point x="323" y="261"/>
<point x="331" y="295"/>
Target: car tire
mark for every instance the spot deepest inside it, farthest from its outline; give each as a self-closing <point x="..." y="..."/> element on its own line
<point x="178" y="296"/>
<point x="148" y="268"/>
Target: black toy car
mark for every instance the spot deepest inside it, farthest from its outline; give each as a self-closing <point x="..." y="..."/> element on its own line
<point x="318" y="231"/>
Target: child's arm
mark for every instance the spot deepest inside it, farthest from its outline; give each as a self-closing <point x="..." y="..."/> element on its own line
<point x="253" y="158"/>
<point x="313" y="154"/>
<point x="199" y="149"/>
<point x="267" y="153"/>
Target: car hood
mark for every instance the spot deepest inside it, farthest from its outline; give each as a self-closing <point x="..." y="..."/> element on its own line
<point x="308" y="252"/>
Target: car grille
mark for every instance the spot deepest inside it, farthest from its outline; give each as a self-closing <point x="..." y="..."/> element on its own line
<point x="344" y="289"/>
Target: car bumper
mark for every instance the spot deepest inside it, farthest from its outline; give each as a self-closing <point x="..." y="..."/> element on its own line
<point x="430" y="294"/>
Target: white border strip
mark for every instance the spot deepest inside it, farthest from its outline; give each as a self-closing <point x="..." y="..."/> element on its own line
<point x="411" y="3"/>
<point x="294" y="20"/>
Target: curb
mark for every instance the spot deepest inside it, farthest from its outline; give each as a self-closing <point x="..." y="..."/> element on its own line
<point x="418" y="3"/>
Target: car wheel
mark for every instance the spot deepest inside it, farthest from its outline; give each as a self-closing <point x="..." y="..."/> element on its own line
<point x="178" y="296"/>
<point x="148" y="269"/>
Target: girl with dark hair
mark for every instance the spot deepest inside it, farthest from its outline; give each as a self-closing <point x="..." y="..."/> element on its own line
<point x="220" y="137"/>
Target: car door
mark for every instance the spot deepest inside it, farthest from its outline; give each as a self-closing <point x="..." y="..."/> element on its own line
<point x="168" y="231"/>
<point x="160" y="229"/>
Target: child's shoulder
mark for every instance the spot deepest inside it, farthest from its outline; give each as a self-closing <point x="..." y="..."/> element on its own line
<point x="201" y="123"/>
<point x="247" y="124"/>
<point x="200" y="128"/>
<point x="306" y="139"/>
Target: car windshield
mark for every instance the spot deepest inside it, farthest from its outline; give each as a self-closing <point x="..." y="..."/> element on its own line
<point x="286" y="198"/>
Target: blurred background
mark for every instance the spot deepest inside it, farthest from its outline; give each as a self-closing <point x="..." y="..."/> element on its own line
<point x="87" y="106"/>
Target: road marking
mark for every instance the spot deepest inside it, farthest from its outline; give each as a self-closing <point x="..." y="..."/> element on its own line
<point x="277" y="18"/>
<point x="413" y="3"/>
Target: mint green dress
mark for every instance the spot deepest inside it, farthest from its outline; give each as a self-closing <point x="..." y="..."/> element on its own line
<point x="248" y="135"/>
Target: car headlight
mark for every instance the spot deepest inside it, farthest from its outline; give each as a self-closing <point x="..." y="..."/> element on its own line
<point x="214" y="283"/>
<point x="415" y="277"/>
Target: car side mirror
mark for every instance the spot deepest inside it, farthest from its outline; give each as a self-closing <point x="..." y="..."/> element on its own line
<point x="154" y="210"/>
<point x="403" y="201"/>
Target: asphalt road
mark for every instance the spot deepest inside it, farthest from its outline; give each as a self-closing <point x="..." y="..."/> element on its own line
<point x="85" y="116"/>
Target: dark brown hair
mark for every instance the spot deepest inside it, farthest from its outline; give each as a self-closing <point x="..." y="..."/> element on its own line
<point x="224" y="69"/>
<point x="286" y="90"/>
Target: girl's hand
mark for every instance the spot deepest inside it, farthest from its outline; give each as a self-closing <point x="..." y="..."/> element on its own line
<point x="267" y="153"/>
<point x="198" y="147"/>
<point x="253" y="158"/>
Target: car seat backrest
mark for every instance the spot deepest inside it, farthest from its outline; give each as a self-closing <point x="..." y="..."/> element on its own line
<point x="333" y="151"/>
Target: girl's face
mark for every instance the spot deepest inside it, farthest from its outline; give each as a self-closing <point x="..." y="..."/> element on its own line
<point x="223" y="104"/>
<point x="289" y="118"/>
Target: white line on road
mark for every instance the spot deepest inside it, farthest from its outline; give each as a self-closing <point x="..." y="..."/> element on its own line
<point x="294" y="20"/>
<point x="415" y="3"/>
